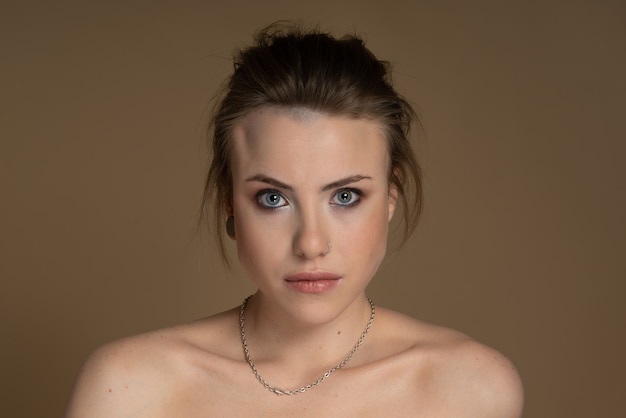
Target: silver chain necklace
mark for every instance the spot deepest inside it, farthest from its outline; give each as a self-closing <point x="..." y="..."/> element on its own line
<point x="303" y="389"/>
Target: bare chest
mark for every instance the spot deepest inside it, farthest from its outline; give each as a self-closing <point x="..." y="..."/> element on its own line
<point x="380" y="391"/>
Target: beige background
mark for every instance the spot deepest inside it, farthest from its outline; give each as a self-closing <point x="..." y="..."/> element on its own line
<point x="521" y="244"/>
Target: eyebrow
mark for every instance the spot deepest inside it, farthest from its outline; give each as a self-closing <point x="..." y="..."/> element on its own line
<point x="335" y="184"/>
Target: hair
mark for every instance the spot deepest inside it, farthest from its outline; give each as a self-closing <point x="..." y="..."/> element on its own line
<point x="290" y="67"/>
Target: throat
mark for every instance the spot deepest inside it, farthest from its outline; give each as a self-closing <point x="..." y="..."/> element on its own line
<point x="323" y="374"/>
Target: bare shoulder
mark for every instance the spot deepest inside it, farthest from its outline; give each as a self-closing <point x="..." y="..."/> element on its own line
<point x="483" y="382"/>
<point x="128" y="376"/>
<point x="470" y="378"/>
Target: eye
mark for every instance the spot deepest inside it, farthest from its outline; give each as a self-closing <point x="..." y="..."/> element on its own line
<point x="346" y="197"/>
<point x="271" y="199"/>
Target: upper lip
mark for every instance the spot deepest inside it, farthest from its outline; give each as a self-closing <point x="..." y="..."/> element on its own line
<point x="312" y="276"/>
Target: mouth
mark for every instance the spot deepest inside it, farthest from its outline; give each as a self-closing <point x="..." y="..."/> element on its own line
<point x="313" y="281"/>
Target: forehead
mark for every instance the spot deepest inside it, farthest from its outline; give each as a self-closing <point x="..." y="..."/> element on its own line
<point x="300" y="142"/>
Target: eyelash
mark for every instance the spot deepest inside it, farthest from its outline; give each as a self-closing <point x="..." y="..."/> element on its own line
<point x="263" y="194"/>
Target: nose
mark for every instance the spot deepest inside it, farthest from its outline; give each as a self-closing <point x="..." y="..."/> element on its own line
<point x="311" y="238"/>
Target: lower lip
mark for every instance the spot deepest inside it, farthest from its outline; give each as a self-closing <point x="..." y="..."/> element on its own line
<point x="313" y="286"/>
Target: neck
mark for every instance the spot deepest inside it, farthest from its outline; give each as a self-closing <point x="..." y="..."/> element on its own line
<point x="277" y="341"/>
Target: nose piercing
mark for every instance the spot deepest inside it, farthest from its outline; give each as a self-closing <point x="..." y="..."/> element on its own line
<point x="328" y="251"/>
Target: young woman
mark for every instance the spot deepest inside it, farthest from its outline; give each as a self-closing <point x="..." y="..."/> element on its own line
<point x="311" y="162"/>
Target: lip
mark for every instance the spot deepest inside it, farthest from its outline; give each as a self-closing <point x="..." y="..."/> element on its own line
<point x="313" y="281"/>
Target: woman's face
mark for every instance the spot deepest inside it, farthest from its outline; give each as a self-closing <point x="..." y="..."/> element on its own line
<point x="312" y="204"/>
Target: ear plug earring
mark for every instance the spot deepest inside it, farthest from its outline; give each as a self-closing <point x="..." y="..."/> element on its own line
<point x="230" y="226"/>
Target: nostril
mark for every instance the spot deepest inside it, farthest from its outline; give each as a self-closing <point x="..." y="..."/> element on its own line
<point x="309" y="235"/>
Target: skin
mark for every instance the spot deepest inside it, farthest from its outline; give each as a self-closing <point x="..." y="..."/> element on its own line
<point x="302" y="181"/>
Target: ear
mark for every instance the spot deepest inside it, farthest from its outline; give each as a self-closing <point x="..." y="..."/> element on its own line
<point x="230" y="220"/>
<point x="228" y="207"/>
<point x="230" y="227"/>
<point x="392" y="199"/>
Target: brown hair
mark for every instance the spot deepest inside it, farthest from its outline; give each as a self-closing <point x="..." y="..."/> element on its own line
<point x="290" y="67"/>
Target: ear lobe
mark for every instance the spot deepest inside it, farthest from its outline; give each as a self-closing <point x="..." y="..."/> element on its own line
<point x="392" y="200"/>
<point x="230" y="226"/>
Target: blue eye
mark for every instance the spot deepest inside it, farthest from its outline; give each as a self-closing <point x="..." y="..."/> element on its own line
<point x="346" y="197"/>
<point x="271" y="199"/>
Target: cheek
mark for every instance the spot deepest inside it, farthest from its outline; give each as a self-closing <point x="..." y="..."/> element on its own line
<point x="367" y="236"/>
<point x="376" y="240"/>
<point x="252" y="235"/>
<point x="251" y="252"/>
